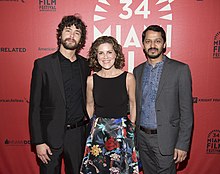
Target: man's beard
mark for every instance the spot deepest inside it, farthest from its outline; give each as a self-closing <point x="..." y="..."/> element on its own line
<point x="154" y="56"/>
<point x="69" y="46"/>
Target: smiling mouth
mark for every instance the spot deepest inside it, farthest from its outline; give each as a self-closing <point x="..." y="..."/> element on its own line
<point x="106" y="61"/>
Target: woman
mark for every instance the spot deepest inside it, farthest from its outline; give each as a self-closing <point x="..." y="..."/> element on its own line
<point x="110" y="146"/>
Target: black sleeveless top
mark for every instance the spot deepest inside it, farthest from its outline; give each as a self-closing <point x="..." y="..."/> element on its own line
<point x="110" y="96"/>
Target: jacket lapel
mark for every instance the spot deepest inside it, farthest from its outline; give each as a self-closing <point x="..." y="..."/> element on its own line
<point x="58" y="74"/>
<point x="139" y="90"/>
<point x="140" y="83"/>
<point x="163" y="76"/>
<point x="82" y="76"/>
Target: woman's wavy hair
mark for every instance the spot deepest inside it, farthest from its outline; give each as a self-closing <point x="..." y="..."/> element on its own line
<point x="93" y="51"/>
<point x="68" y="21"/>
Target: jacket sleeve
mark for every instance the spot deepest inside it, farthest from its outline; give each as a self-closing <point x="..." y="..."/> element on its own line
<point x="34" y="106"/>
<point x="186" y="109"/>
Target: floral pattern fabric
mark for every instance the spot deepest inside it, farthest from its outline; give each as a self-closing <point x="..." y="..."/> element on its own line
<point x="110" y="148"/>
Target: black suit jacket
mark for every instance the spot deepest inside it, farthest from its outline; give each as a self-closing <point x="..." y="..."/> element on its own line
<point x="174" y="107"/>
<point x="47" y="111"/>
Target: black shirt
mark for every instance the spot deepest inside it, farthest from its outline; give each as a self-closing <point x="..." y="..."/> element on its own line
<point x="73" y="89"/>
<point x="110" y="96"/>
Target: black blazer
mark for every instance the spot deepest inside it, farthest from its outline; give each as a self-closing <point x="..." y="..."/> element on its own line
<point x="174" y="107"/>
<point x="47" y="111"/>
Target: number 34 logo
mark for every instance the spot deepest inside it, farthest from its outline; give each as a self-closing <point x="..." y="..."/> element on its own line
<point x="142" y="9"/>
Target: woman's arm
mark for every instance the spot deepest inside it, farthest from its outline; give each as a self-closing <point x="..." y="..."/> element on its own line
<point x="89" y="97"/>
<point x="130" y="83"/>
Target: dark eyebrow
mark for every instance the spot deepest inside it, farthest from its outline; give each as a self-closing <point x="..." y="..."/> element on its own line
<point x="79" y="31"/>
<point x="155" y="39"/>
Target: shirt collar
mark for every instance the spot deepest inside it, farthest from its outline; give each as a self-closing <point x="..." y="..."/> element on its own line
<point x="62" y="58"/>
<point x="157" y="64"/>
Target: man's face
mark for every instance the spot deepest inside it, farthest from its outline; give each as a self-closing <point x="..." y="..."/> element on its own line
<point x="70" y="37"/>
<point x="153" y="44"/>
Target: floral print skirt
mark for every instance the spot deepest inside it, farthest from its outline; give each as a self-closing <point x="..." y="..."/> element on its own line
<point x="110" y="147"/>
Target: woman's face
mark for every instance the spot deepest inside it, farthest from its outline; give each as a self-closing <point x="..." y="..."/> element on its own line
<point x="106" y="56"/>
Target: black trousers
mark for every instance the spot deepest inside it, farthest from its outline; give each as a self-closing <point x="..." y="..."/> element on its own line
<point x="152" y="160"/>
<point x="72" y="152"/>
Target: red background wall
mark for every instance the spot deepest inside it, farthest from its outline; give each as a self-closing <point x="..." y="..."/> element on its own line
<point x="28" y="31"/>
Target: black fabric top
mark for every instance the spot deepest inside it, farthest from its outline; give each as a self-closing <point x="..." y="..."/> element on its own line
<point x="110" y="96"/>
<point x="72" y="87"/>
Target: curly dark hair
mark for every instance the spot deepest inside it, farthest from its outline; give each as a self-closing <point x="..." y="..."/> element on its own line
<point x="93" y="60"/>
<point x="68" y="21"/>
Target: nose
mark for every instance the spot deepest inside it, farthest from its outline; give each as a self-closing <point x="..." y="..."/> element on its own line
<point x="105" y="56"/>
<point x="152" y="44"/>
<point x="71" y="34"/>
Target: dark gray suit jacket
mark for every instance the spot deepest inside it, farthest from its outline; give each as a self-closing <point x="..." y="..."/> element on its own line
<point x="47" y="111"/>
<point x="174" y="106"/>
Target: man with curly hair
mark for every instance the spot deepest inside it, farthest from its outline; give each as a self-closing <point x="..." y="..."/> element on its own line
<point x="57" y="113"/>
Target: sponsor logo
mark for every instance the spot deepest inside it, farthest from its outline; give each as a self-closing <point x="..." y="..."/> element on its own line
<point x="213" y="142"/>
<point x="25" y="100"/>
<point x="216" y="46"/>
<point x="11" y="50"/>
<point x="205" y="100"/>
<point x="12" y="142"/>
<point x="47" y="5"/>
<point x="47" y="49"/>
<point x="23" y="1"/>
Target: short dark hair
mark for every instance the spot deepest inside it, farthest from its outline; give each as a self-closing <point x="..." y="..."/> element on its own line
<point x="93" y="61"/>
<point x="68" y="21"/>
<point x="155" y="28"/>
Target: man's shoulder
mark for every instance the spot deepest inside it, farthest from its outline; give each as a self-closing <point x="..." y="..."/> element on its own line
<point x="82" y="58"/>
<point x="173" y="64"/>
<point x="139" y="66"/>
<point x="174" y="61"/>
<point x="47" y="57"/>
<point x="83" y="61"/>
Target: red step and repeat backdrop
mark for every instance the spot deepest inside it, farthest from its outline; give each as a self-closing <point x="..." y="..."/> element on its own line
<point x="28" y="31"/>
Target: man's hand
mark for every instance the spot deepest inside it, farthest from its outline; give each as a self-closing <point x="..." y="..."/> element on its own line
<point x="179" y="155"/>
<point x="42" y="152"/>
